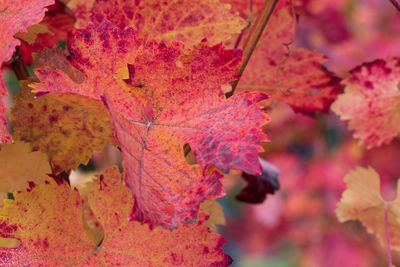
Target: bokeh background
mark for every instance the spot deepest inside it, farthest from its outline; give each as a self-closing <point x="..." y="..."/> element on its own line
<point x="297" y="225"/>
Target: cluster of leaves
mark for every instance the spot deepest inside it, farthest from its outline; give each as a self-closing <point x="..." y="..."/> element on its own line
<point x="153" y="78"/>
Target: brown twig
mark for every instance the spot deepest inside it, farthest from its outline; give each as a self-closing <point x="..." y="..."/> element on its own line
<point x="256" y="30"/>
<point x="18" y="65"/>
<point x="249" y="20"/>
<point x="395" y="4"/>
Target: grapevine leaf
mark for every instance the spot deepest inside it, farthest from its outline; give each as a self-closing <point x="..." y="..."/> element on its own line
<point x="19" y="165"/>
<point x="68" y="128"/>
<point x="189" y="245"/>
<point x="161" y="98"/>
<point x="293" y="75"/>
<point x="48" y="223"/>
<point x="362" y="201"/>
<point x="185" y="21"/>
<point x="15" y="16"/>
<point x="370" y="102"/>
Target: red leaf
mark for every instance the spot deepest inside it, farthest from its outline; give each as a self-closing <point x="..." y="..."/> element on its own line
<point x="15" y="16"/>
<point x="370" y="102"/>
<point x="170" y="21"/>
<point x="160" y="98"/>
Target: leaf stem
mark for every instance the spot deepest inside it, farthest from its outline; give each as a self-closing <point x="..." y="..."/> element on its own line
<point x="256" y="30"/>
<point x="388" y="236"/>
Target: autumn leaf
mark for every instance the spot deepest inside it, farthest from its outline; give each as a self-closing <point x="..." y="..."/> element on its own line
<point x="370" y="102"/>
<point x="214" y="210"/>
<point x="58" y="21"/>
<point x="15" y="17"/>
<point x="293" y="75"/>
<point x="160" y="98"/>
<point x="48" y="223"/>
<point x="20" y="166"/>
<point x="68" y="128"/>
<point x="362" y="201"/>
<point x="5" y="137"/>
<point x="170" y="21"/>
<point x="32" y="33"/>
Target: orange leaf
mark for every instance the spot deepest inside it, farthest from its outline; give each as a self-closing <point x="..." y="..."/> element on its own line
<point x="32" y="33"/>
<point x="15" y="16"/>
<point x="160" y="98"/>
<point x="370" y="102"/>
<point x="19" y="165"/>
<point x="185" y="21"/>
<point x="68" y="128"/>
<point x="48" y="223"/>
<point x="362" y="201"/>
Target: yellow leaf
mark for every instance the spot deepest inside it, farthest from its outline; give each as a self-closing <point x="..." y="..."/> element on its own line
<point x="47" y="221"/>
<point x="214" y="209"/>
<point x="68" y="128"/>
<point x="20" y="165"/>
<point x="33" y="31"/>
<point x="362" y="201"/>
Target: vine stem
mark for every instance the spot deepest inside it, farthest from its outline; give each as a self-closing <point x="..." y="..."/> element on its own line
<point x="388" y="236"/>
<point x="395" y="4"/>
<point x="256" y="29"/>
<point x="18" y="65"/>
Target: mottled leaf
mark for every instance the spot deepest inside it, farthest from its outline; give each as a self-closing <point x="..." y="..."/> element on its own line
<point x="370" y="102"/>
<point x="161" y="98"/>
<point x="68" y="128"/>
<point x="184" y="20"/>
<point x="48" y="223"/>
<point x="15" y="16"/>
